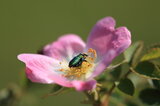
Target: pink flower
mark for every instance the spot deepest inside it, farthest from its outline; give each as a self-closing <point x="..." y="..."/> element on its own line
<point x="103" y="45"/>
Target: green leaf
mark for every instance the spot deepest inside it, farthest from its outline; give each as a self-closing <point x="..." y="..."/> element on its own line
<point x="116" y="72"/>
<point x="57" y="89"/>
<point x="137" y="54"/>
<point x="156" y="83"/>
<point x="150" y="96"/>
<point x="156" y="61"/>
<point x="152" y="53"/>
<point x="128" y="54"/>
<point x="133" y="53"/>
<point x="23" y="80"/>
<point x="103" y="90"/>
<point x="126" y="86"/>
<point x="147" y="70"/>
<point x="101" y="78"/>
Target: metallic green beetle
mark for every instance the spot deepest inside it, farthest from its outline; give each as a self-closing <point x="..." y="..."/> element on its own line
<point x="77" y="60"/>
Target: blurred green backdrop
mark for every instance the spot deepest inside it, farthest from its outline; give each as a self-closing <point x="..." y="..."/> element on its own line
<point x="27" y="25"/>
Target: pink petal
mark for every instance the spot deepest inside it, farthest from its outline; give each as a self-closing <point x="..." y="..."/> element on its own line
<point x="101" y="35"/>
<point x="43" y="69"/>
<point x="84" y="86"/>
<point x="108" y="42"/>
<point x="65" y="46"/>
<point x="103" y="63"/>
<point x="121" y="39"/>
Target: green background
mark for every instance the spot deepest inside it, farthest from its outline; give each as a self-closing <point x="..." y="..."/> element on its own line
<point x="27" y="25"/>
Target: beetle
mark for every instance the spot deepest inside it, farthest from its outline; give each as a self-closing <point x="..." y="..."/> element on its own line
<point x="77" y="60"/>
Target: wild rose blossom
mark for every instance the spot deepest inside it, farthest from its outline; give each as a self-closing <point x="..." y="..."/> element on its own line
<point x="103" y="45"/>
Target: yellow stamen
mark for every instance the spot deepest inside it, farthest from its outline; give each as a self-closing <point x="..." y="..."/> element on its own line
<point x="61" y="69"/>
<point x="85" y="67"/>
<point x="93" y="55"/>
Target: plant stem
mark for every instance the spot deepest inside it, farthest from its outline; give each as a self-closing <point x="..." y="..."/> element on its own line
<point x="105" y="100"/>
<point x="125" y="76"/>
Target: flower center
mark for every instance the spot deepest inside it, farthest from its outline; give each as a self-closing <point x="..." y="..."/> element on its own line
<point x="80" y="66"/>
